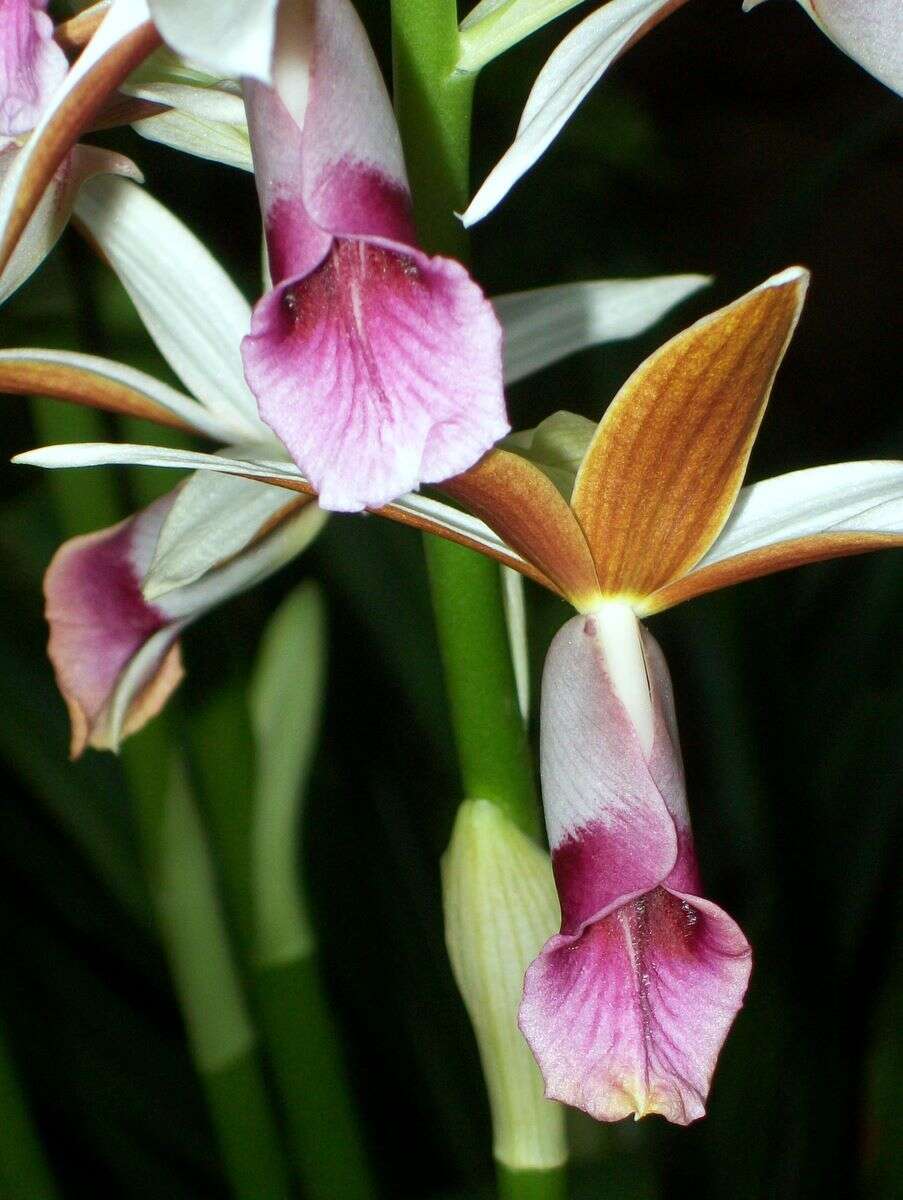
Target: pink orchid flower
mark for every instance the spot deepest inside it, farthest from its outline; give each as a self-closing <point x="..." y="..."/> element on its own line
<point x="378" y="366"/>
<point x="627" y="1007"/>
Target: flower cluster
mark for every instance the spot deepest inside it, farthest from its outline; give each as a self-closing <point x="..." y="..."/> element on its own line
<point x="369" y="369"/>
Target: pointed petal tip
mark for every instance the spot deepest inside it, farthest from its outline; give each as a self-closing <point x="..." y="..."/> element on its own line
<point x="790" y="275"/>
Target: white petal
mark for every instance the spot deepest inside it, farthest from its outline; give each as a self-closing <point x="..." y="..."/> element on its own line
<point x="160" y="393"/>
<point x="547" y="324"/>
<point x="96" y="454"/>
<point x="570" y="73"/>
<point x="855" y="497"/>
<point x="230" y="37"/>
<point x="870" y="31"/>
<point x="191" y="307"/>
<point x="210" y="103"/>
<point x="213" y="518"/>
<point x="227" y="144"/>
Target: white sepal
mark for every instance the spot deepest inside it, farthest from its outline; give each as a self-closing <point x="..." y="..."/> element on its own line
<point x="95" y="454"/>
<point x="213" y="518"/>
<point x="855" y="497"/>
<point x="500" y="907"/>
<point x="547" y="324"/>
<point x="571" y="72"/>
<point x="212" y="140"/>
<point x="494" y="26"/>
<point x="191" y="307"/>
<point x="229" y="37"/>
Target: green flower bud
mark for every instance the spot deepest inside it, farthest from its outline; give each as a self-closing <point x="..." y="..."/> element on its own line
<point x="500" y="907"/>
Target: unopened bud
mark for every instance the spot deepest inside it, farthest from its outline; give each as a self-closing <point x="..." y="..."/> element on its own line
<point x="500" y="907"/>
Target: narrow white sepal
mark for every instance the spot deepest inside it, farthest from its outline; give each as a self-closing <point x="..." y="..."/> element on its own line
<point x="500" y="907"/>
<point x="571" y="72"/>
<point x="547" y="324"/>
<point x="854" y="497"/>
<point x="494" y="26"/>
<point x="228" y="37"/>
<point x="212" y="140"/>
<point x="95" y="454"/>
<point x="192" y="309"/>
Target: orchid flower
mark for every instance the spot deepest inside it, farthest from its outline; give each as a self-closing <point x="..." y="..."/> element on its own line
<point x="32" y="69"/>
<point x="626" y="1009"/>
<point x="870" y="31"/>
<point x="118" y="599"/>
<point x="377" y="366"/>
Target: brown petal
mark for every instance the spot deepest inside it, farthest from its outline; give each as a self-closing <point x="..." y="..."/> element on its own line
<point x="661" y="475"/>
<point x="22" y="375"/>
<point x="779" y="556"/>
<point x="516" y="499"/>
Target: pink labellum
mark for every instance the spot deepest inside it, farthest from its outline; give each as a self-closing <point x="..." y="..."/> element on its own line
<point x="99" y="621"/>
<point x="32" y="65"/>
<point x="378" y="367"/>
<point x="626" y="1009"/>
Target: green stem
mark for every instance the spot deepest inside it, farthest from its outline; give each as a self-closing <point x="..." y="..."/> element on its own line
<point x="298" y="1032"/>
<point x="434" y="110"/>
<point x="195" y="937"/>
<point x="24" y="1175"/>
<point x="531" y="1185"/>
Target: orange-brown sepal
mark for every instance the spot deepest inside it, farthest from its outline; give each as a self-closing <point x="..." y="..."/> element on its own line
<point x="524" y="507"/>
<point x="663" y="471"/>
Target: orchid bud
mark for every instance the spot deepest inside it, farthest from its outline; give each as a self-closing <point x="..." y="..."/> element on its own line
<point x="500" y="906"/>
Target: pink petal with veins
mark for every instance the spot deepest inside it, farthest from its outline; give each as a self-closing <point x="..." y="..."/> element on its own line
<point x="379" y="370"/>
<point x="377" y="366"/>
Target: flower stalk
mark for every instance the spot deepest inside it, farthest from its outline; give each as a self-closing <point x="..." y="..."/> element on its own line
<point x="433" y="105"/>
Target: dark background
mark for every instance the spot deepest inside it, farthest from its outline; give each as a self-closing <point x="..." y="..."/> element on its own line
<point x="722" y="143"/>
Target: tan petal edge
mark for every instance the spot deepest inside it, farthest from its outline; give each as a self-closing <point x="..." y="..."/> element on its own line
<point x="73" y="35"/>
<point x="663" y="471"/>
<point x="74" y="115"/>
<point x="150" y="700"/>
<point x="766" y="560"/>
<point x="24" y="376"/>
<point x="519" y="501"/>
